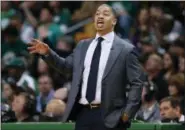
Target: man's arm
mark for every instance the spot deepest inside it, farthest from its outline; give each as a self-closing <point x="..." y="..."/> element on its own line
<point x="62" y="65"/>
<point x="55" y="61"/>
<point x="134" y="77"/>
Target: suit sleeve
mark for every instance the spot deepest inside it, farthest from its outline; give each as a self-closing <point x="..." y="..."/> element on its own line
<point x="60" y="64"/>
<point x="134" y="76"/>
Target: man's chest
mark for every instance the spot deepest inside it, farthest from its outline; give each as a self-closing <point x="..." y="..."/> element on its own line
<point x="105" y="51"/>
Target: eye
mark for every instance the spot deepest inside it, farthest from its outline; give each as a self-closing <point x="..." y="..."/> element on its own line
<point x="97" y="13"/>
<point x="106" y="14"/>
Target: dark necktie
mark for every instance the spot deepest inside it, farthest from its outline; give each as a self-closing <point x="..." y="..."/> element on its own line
<point x="93" y="74"/>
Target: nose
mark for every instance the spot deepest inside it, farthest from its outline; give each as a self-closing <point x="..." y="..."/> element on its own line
<point x="162" y="113"/>
<point x="100" y="16"/>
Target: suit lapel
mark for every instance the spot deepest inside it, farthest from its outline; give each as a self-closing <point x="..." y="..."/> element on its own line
<point x="114" y="53"/>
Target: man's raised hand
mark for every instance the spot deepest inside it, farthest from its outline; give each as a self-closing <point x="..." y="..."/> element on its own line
<point x="38" y="47"/>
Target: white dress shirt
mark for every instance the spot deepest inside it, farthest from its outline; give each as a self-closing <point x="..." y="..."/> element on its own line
<point x="105" y="50"/>
<point x="182" y="118"/>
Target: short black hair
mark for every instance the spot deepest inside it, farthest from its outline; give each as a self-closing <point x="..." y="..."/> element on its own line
<point x="19" y="17"/>
<point x="174" y="102"/>
<point x="11" y="31"/>
<point x="113" y="10"/>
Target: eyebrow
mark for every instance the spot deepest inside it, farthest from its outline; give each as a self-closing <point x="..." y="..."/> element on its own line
<point x="105" y="11"/>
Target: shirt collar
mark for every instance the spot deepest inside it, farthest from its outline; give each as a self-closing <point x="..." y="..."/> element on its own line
<point x="108" y="37"/>
<point x="49" y="96"/>
<point x="182" y="118"/>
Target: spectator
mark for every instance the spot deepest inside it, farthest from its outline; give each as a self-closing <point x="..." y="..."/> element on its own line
<point x="8" y="93"/>
<point x="86" y="10"/>
<point x="157" y="13"/>
<point x="124" y="20"/>
<point x="141" y="26"/>
<point x="153" y="67"/>
<point x="25" y="30"/>
<point x="61" y="15"/>
<point x="176" y="85"/>
<point x="6" y="13"/>
<point x="182" y="64"/>
<point x="145" y="45"/>
<point x="48" y="29"/>
<point x="177" y="88"/>
<point x="30" y="10"/>
<point x="12" y="42"/>
<point x="54" y="110"/>
<point x="42" y="67"/>
<point x="9" y="89"/>
<point x="46" y="92"/>
<point x="65" y="46"/>
<point x="24" y="107"/>
<point x="170" y="110"/>
<point x="170" y="62"/>
<point x="177" y="47"/>
<point x="17" y="69"/>
<point x="149" y="111"/>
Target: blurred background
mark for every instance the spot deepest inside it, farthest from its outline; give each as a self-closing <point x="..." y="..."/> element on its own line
<point x="155" y="28"/>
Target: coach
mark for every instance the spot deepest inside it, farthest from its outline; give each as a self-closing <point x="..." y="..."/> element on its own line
<point x="102" y="67"/>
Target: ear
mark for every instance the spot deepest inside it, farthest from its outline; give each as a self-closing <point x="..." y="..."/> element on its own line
<point x="177" y="110"/>
<point x="114" y="22"/>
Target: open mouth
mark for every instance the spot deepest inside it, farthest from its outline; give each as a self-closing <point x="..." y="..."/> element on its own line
<point x="100" y="23"/>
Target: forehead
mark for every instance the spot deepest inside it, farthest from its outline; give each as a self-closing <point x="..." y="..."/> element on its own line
<point x="104" y="8"/>
<point x="6" y="85"/>
<point x="20" y="98"/>
<point x="165" y="104"/>
<point x="44" y="78"/>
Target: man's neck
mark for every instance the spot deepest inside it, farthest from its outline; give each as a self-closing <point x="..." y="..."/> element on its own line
<point x="149" y="104"/>
<point x="21" y="116"/>
<point x="45" y="94"/>
<point x="104" y="32"/>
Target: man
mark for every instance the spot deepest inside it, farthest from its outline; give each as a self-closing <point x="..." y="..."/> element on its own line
<point x="102" y="67"/>
<point x="170" y="110"/>
<point x="24" y="107"/>
<point x="26" y="31"/>
<point x="149" y="112"/>
<point x="47" y="28"/>
<point x="46" y="92"/>
<point x="153" y="67"/>
<point x="17" y="70"/>
<point x="12" y="43"/>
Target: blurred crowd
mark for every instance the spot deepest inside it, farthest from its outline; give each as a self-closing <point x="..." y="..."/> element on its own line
<point x="33" y="91"/>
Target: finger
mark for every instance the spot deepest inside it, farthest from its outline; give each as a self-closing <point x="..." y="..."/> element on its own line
<point x="32" y="48"/>
<point x="36" y="41"/>
<point x="33" y="52"/>
<point x="31" y="44"/>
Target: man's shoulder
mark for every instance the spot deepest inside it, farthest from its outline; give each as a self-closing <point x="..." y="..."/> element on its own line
<point x="127" y="45"/>
<point x="84" y="41"/>
<point x="87" y="40"/>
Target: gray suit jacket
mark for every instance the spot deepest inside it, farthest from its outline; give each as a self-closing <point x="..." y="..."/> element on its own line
<point x="122" y="68"/>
